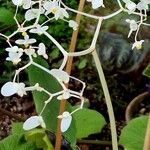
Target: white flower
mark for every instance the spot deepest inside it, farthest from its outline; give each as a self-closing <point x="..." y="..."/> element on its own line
<point x="61" y="13"/>
<point x="30" y="51"/>
<point x="14" y="49"/>
<point x="14" y="57"/>
<point x="26" y="41"/>
<point x="51" y="7"/>
<point x="73" y="24"/>
<point x="34" y="122"/>
<point x="137" y="44"/>
<point x="66" y="121"/>
<point x="131" y="6"/>
<point x="96" y="3"/>
<point x="31" y="14"/>
<point x="42" y="51"/>
<point x="60" y="75"/>
<point x="26" y="4"/>
<point x="142" y="5"/>
<point x="17" y="2"/>
<point x="39" y="30"/>
<point x="133" y="26"/>
<point x="11" y="88"/>
<point x="66" y="95"/>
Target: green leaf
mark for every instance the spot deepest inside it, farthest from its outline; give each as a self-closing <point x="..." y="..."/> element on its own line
<point x="51" y="112"/>
<point x="54" y="54"/>
<point x="39" y="137"/>
<point x="146" y="72"/>
<point x="82" y="64"/>
<point x="17" y="128"/>
<point x="88" y="122"/>
<point x="16" y="142"/>
<point x="6" y="16"/>
<point x="132" y="135"/>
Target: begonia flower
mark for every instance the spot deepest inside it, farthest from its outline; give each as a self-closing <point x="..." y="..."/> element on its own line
<point x="66" y="121"/>
<point x="14" y="57"/>
<point x="51" y="7"/>
<point x="96" y="3"/>
<point x="61" y="75"/>
<point x="73" y="24"/>
<point x="26" y="4"/>
<point x="31" y="14"/>
<point x="131" y="6"/>
<point x="61" y="13"/>
<point x="26" y="41"/>
<point x="133" y="26"/>
<point x="11" y="88"/>
<point x="34" y="122"/>
<point x="143" y="5"/>
<point x="30" y="52"/>
<point x="42" y="51"/>
<point x="65" y="95"/>
<point x="137" y="44"/>
<point x="14" y="49"/>
<point x="39" y="30"/>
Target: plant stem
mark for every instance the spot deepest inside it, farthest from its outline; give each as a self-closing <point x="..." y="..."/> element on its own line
<point x="108" y="100"/>
<point x="147" y="136"/>
<point x="68" y="70"/>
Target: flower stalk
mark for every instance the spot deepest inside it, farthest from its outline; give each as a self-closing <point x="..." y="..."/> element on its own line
<point x="68" y="70"/>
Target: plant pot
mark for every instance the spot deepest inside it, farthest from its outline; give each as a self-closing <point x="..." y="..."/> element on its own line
<point x="133" y="105"/>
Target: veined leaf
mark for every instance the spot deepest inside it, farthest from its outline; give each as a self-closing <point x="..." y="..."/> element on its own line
<point x="16" y="142"/>
<point x="51" y="112"/>
<point x="88" y="122"/>
<point x="132" y="135"/>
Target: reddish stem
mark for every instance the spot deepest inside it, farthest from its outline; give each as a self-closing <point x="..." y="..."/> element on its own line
<point x="68" y="70"/>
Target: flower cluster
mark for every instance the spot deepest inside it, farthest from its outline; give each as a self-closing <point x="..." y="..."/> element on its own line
<point x="54" y="10"/>
<point x="27" y="46"/>
<point x="134" y="25"/>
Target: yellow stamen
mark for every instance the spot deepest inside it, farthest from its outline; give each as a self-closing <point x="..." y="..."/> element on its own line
<point x="24" y="33"/>
<point x="139" y="46"/>
<point x="54" y="10"/>
<point x="26" y="46"/>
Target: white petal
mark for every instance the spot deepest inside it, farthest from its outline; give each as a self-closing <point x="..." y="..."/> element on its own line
<point x="20" y="41"/>
<point x="8" y="89"/>
<point x="42" y="49"/>
<point x="131" y="6"/>
<point x="31" y="14"/>
<point x="30" y="41"/>
<point x="66" y="121"/>
<point x="60" y="75"/>
<point x="17" y="2"/>
<point x="47" y="5"/>
<point x="73" y="24"/>
<point x="31" y="123"/>
<point x="97" y="3"/>
<point x="27" y="4"/>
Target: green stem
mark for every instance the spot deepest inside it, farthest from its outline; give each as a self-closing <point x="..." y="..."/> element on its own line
<point x="108" y="100"/>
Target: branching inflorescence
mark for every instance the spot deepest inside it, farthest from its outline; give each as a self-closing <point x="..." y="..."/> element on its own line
<point x="26" y="46"/>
